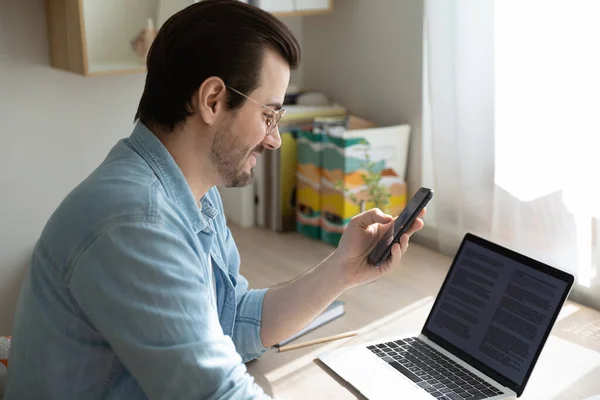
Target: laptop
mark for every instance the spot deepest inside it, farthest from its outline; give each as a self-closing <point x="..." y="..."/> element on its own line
<point x="481" y="340"/>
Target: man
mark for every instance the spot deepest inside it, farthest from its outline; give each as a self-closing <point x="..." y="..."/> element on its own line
<point x="134" y="289"/>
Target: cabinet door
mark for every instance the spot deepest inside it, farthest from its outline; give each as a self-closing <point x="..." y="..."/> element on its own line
<point x="274" y="6"/>
<point x="306" y="5"/>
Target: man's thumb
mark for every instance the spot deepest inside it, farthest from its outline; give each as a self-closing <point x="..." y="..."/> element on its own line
<point x="373" y="216"/>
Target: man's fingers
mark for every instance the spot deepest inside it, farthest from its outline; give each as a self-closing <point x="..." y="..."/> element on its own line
<point x="396" y="250"/>
<point x="416" y="226"/>
<point x="404" y="243"/>
<point x="373" y="216"/>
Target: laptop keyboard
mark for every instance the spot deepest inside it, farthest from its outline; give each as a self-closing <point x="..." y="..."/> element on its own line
<point x="432" y="371"/>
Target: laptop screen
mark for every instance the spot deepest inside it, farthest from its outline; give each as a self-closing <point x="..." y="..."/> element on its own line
<point x="497" y="307"/>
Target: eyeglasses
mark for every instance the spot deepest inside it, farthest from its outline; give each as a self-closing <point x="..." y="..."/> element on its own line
<point x="272" y="120"/>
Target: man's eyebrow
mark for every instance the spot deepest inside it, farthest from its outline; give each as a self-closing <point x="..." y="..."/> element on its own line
<point x="275" y="106"/>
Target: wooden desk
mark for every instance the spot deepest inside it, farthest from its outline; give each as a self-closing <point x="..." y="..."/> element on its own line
<point x="568" y="368"/>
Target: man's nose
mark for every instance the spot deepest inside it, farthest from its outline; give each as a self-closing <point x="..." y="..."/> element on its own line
<point x="273" y="140"/>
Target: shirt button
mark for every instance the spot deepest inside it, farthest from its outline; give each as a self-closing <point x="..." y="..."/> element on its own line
<point x="200" y="205"/>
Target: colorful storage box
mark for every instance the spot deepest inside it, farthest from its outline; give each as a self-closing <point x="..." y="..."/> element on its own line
<point x="343" y="160"/>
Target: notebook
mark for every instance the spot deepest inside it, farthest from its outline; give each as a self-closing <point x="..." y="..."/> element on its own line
<point x="335" y="309"/>
<point x="481" y="340"/>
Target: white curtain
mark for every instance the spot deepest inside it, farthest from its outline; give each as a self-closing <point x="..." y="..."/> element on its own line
<point x="511" y="120"/>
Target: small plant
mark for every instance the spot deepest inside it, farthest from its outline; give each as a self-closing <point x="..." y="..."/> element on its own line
<point x="377" y="193"/>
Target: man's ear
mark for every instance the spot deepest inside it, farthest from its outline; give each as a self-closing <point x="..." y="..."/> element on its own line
<point x="211" y="100"/>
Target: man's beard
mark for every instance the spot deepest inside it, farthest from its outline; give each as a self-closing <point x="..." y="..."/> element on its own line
<point x="229" y="158"/>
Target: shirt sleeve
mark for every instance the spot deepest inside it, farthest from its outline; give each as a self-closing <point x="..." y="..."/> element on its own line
<point x="140" y="285"/>
<point x="246" y="330"/>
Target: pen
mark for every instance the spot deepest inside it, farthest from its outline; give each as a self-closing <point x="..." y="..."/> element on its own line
<point x="317" y="341"/>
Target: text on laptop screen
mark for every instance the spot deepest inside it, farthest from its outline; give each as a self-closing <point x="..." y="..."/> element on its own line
<point x="496" y="309"/>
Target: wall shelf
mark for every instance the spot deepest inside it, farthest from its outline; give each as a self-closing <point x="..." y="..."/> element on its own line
<point x="92" y="37"/>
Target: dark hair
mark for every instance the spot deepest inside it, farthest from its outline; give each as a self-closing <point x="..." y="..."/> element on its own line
<point x="224" y="38"/>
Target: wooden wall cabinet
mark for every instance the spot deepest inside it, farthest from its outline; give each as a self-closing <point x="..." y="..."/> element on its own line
<point x="92" y="37"/>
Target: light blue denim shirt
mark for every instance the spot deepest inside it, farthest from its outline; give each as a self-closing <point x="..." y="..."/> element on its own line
<point x="117" y="303"/>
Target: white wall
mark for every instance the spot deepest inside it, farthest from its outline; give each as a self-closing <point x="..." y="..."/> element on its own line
<point x="367" y="55"/>
<point x="55" y="127"/>
<point x="296" y="26"/>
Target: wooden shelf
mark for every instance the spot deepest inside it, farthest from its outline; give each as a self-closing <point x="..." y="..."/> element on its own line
<point x="108" y="67"/>
<point x="92" y="37"/>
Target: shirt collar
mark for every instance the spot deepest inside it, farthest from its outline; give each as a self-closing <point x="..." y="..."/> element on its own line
<point x="170" y="176"/>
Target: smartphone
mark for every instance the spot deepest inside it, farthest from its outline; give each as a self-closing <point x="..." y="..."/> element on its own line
<point x="406" y="218"/>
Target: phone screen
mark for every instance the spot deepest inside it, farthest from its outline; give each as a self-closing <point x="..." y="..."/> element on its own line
<point x="422" y="196"/>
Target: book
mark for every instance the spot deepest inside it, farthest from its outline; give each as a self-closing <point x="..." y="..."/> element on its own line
<point x="335" y="310"/>
<point x="349" y="158"/>
<point x="308" y="174"/>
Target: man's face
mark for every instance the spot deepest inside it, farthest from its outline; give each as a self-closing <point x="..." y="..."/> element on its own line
<point x="242" y="137"/>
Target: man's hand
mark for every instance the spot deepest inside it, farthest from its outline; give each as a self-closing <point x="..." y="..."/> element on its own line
<point x="308" y="295"/>
<point x="360" y="237"/>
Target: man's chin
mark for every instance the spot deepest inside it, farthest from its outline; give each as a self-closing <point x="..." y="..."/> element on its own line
<point x="241" y="180"/>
